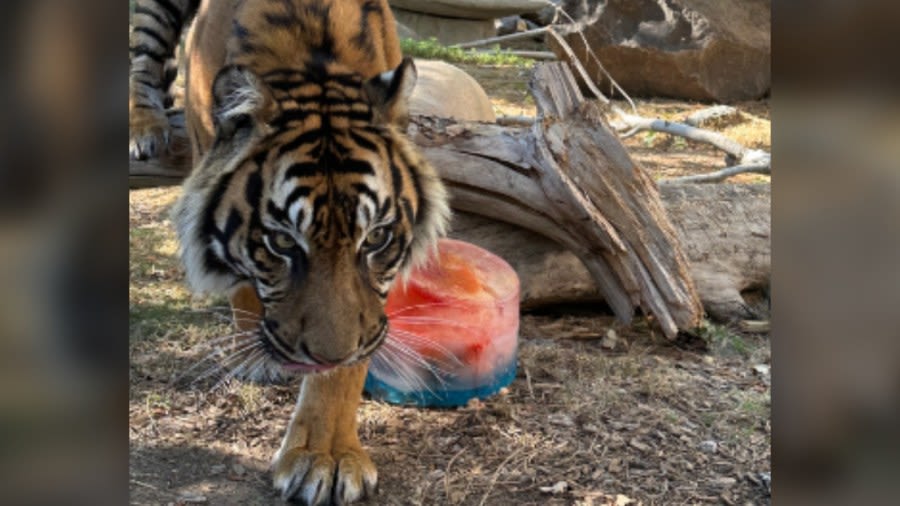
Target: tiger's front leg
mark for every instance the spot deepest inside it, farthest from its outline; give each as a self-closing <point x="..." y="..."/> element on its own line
<point x="155" y="33"/>
<point x="321" y="460"/>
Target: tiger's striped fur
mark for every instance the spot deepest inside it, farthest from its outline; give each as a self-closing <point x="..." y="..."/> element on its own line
<point x="306" y="199"/>
<point x="156" y="31"/>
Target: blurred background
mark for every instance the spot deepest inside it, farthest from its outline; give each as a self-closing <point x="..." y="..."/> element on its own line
<point x="63" y="252"/>
<point x="836" y="274"/>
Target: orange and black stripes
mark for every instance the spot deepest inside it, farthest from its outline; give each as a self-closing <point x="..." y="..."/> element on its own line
<point x="358" y="34"/>
<point x="156" y="31"/>
<point x="307" y="186"/>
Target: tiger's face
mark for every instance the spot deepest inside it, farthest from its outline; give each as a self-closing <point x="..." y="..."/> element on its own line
<point x="313" y="196"/>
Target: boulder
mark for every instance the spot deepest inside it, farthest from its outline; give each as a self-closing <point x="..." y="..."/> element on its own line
<point x="546" y="16"/>
<point x="405" y="32"/>
<point x="446" y="30"/>
<point x="446" y="91"/>
<point x="706" y="50"/>
<point x="511" y="24"/>
<point x="455" y="21"/>
<point x="470" y="9"/>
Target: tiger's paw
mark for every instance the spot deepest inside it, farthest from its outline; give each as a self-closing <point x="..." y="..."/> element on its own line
<point x="149" y="133"/>
<point x="315" y="478"/>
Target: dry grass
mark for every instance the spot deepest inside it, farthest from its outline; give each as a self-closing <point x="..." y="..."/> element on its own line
<point x="585" y="420"/>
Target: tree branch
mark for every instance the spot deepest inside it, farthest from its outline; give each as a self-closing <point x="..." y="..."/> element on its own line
<point x="534" y="55"/>
<point x="756" y="160"/>
<point x="502" y="38"/>
<point x="639" y="123"/>
<point x="719" y="175"/>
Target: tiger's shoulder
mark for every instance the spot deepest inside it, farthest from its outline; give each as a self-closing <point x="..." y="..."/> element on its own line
<point x="269" y="36"/>
<point x="262" y="35"/>
<point x="360" y="35"/>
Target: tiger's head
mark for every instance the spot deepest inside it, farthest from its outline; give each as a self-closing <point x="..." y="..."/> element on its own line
<point x="312" y="194"/>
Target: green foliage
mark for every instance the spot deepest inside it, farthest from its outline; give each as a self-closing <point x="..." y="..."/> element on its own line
<point x="723" y="340"/>
<point x="432" y="49"/>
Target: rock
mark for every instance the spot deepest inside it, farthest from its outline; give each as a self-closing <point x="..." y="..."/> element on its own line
<point x="469" y="9"/>
<point x="511" y="24"/>
<point x="455" y="21"/>
<point x="609" y="340"/>
<point x="723" y="482"/>
<point x="763" y="370"/>
<point x="561" y="419"/>
<point x="446" y="30"/>
<point x="557" y="488"/>
<point x="447" y="91"/>
<point x="707" y="50"/>
<point x="545" y="16"/>
<point x="637" y="445"/>
<point x="709" y="446"/>
<point x="766" y="479"/>
<point x="405" y="32"/>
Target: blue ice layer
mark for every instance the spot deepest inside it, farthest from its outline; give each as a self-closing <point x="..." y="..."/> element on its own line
<point x="442" y="396"/>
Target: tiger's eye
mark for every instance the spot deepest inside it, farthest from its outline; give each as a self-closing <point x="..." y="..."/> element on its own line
<point x="283" y="241"/>
<point x="378" y="238"/>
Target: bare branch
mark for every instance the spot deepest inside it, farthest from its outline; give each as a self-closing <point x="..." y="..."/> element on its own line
<point x="629" y="124"/>
<point x="534" y="55"/>
<point x="583" y="72"/>
<point x="502" y="38"/>
<point x="515" y="120"/>
<point x="697" y="119"/>
<point x="639" y="123"/>
<point x="580" y="68"/>
<point x="720" y="175"/>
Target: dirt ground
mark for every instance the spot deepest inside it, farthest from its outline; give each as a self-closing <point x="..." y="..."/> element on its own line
<point x="598" y="414"/>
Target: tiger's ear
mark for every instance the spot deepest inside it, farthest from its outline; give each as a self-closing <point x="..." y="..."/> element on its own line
<point x="240" y="101"/>
<point x="389" y="93"/>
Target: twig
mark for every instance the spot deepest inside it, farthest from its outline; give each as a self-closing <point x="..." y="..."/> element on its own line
<point x="759" y="326"/>
<point x="447" y="472"/>
<point x="581" y="70"/>
<point x="534" y="55"/>
<point x="719" y="175"/>
<point x="718" y="140"/>
<point x="153" y="173"/>
<point x="697" y="118"/>
<point x="515" y="120"/>
<point x="528" y="381"/>
<point x="496" y="474"/>
<point x="146" y="485"/>
<point x="502" y="38"/>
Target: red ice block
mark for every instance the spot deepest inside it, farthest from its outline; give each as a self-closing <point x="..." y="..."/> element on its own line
<point x="453" y="329"/>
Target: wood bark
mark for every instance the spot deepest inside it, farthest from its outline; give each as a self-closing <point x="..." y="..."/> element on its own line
<point x="569" y="179"/>
<point x="724" y="230"/>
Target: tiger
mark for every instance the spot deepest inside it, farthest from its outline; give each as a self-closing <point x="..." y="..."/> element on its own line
<point x="305" y="202"/>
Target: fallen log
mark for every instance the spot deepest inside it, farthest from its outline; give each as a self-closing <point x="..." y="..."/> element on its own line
<point x="569" y="179"/>
<point x="724" y="230"/>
